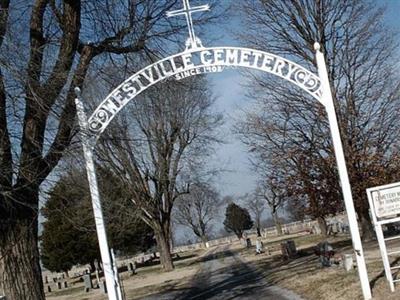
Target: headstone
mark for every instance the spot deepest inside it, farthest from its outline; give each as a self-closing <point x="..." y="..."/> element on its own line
<point x="284" y="251"/>
<point x="87" y="281"/>
<point x="288" y="249"/>
<point x="132" y="268"/>
<point x="325" y="252"/>
<point x="348" y="262"/>
<point x="291" y="248"/>
<point x="54" y="279"/>
<point x="59" y="285"/>
<point x="248" y="242"/>
<point x="49" y="289"/>
<point x="259" y="246"/>
<point x="65" y="284"/>
<point x="46" y="280"/>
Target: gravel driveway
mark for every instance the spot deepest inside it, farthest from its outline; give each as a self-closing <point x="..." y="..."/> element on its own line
<point x="223" y="275"/>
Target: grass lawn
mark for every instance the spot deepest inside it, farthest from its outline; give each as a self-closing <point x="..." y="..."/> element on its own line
<point x="148" y="280"/>
<point x="305" y="276"/>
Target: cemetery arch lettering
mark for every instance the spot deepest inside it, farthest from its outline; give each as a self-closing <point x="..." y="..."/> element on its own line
<point x="195" y="62"/>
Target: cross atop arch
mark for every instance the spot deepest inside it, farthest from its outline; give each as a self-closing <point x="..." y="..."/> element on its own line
<point x="187" y="11"/>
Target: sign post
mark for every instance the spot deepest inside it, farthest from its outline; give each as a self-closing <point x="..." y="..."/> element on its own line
<point x="344" y="177"/>
<point x="384" y="202"/>
<point x="113" y="287"/>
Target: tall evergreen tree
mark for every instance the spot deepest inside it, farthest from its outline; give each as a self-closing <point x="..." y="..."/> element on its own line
<point x="237" y="219"/>
<point x="69" y="234"/>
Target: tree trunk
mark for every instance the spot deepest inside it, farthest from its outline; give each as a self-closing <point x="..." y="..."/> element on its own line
<point x="20" y="273"/>
<point x="92" y="267"/>
<point x="258" y="225"/>
<point x="322" y="226"/>
<point x="204" y="240"/>
<point x="278" y="225"/>
<point x="162" y="238"/>
<point x="239" y="234"/>
<point x="367" y="229"/>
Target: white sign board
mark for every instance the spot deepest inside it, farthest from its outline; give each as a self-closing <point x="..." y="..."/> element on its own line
<point x="386" y="200"/>
<point x="385" y="207"/>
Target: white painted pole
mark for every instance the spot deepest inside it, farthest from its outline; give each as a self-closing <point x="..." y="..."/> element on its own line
<point x="381" y="241"/>
<point x="384" y="254"/>
<point x="344" y="178"/>
<point x="112" y="286"/>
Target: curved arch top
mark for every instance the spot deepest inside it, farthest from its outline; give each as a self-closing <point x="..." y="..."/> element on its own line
<point x="200" y="61"/>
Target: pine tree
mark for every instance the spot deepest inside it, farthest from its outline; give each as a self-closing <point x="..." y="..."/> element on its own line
<point x="237" y="219"/>
<point x="69" y="233"/>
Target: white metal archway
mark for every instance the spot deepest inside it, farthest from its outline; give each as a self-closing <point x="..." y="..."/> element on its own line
<point x="195" y="60"/>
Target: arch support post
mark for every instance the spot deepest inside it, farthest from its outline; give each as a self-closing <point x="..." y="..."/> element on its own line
<point x="112" y="281"/>
<point x="327" y="99"/>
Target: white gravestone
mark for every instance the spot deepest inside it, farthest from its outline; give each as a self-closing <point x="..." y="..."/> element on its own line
<point x="259" y="246"/>
<point x="88" y="282"/>
<point x="348" y="262"/>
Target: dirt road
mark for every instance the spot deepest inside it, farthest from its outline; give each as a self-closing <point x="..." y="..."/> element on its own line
<point x="223" y="275"/>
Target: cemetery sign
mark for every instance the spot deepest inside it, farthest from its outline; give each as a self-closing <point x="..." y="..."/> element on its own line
<point x="384" y="202"/>
<point x="199" y="61"/>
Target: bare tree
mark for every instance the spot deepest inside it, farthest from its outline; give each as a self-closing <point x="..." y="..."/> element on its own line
<point x="256" y="205"/>
<point x="197" y="209"/>
<point x="47" y="48"/>
<point x="291" y="165"/>
<point x="165" y="132"/>
<point x="274" y="193"/>
<point x="360" y="54"/>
